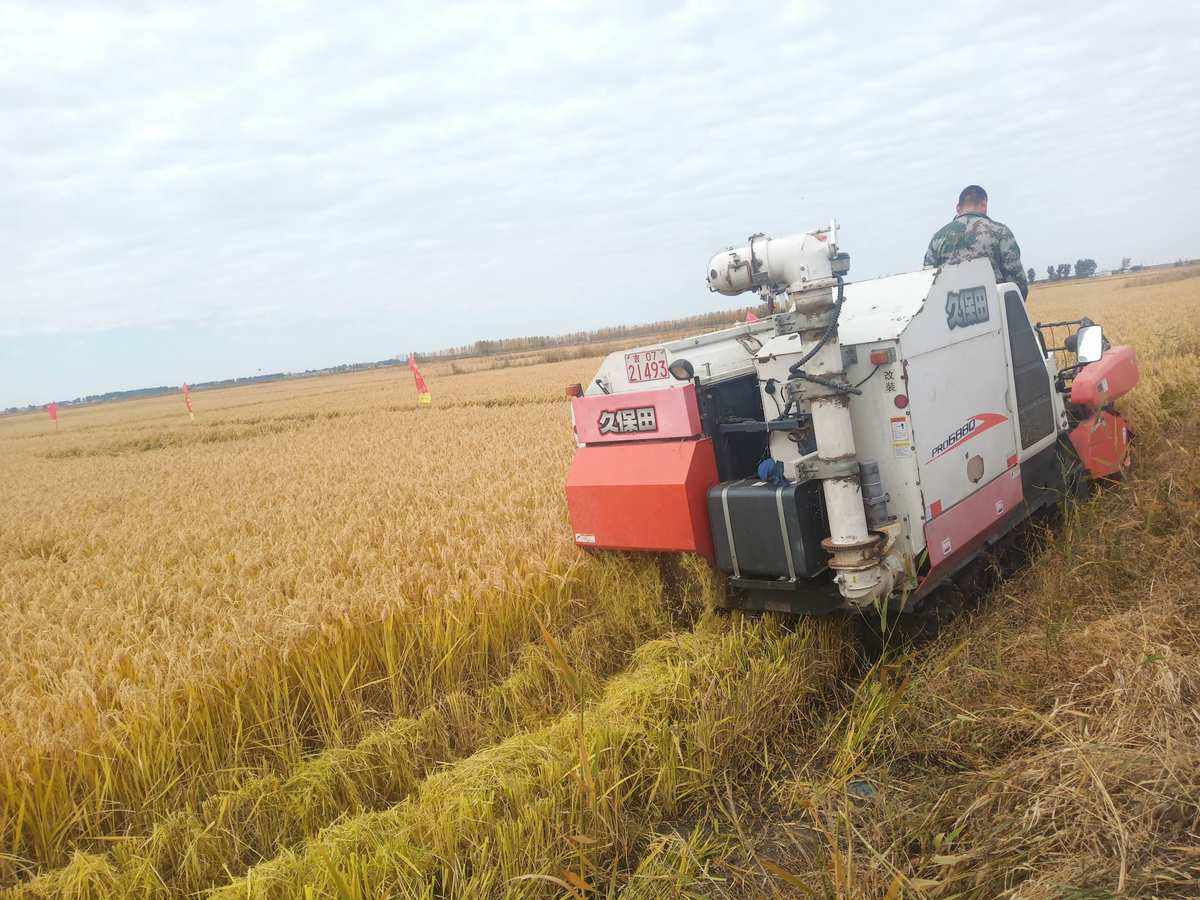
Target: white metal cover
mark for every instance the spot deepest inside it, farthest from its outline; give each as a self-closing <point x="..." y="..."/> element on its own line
<point x="964" y="430"/>
<point x="714" y="356"/>
<point x="881" y="308"/>
<point x="883" y="432"/>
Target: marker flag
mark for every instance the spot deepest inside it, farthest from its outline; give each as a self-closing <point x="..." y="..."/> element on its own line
<point x="751" y="318"/>
<point x="423" y="396"/>
<point x="187" y="399"/>
<point x="52" y="409"/>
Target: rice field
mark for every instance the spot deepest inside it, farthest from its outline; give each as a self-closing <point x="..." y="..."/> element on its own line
<point x="323" y="643"/>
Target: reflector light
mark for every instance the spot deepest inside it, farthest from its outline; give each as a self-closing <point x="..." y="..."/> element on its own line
<point x="682" y="369"/>
<point x="901" y="401"/>
<point x="574" y="390"/>
<point x="882" y="357"/>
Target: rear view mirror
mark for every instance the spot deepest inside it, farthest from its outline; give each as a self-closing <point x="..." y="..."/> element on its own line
<point x="1089" y="343"/>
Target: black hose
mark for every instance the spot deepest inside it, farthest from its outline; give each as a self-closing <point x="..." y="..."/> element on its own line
<point x="829" y="330"/>
<point x="773" y="391"/>
<point x="829" y="383"/>
<point x="868" y="378"/>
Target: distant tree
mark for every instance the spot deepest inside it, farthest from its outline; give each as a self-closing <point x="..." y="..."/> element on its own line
<point x="1085" y="268"/>
<point x="1051" y="273"/>
<point x="1125" y="260"/>
<point x="1031" y="275"/>
<point x="1064" y="270"/>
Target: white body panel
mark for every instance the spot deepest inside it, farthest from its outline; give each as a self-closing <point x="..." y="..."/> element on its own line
<point x="881" y="309"/>
<point x="958" y="378"/>
<point x="883" y="432"/>
<point x="963" y="431"/>
<point x="715" y="356"/>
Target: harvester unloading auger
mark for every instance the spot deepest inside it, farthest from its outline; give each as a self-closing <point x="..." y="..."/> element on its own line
<point x="854" y="451"/>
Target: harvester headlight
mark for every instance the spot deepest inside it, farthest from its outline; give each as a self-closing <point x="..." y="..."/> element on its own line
<point x="682" y="369"/>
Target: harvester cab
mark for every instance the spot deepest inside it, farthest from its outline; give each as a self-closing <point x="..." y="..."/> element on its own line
<point x="854" y="450"/>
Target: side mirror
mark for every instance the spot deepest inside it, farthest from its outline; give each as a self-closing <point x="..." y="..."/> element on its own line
<point x="1089" y="343"/>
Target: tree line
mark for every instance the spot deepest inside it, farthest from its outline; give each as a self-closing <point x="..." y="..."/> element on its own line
<point x="1084" y="268"/>
<point x="497" y="346"/>
<point x="163" y="389"/>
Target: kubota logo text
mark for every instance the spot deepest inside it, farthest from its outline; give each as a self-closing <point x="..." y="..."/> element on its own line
<point x="974" y="426"/>
<point x="628" y="421"/>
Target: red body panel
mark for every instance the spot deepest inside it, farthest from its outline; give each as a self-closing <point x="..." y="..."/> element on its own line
<point x="1102" y="442"/>
<point x="643" y="496"/>
<point x="1110" y="377"/>
<point x="950" y="532"/>
<point x="676" y="415"/>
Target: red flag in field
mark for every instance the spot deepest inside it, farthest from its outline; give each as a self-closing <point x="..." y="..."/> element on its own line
<point x="751" y="318"/>
<point x="187" y="399"/>
<point x="424" y="398"/>
<point x="52" y="409"/>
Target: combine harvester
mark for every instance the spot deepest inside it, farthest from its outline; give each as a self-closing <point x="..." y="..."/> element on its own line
<point x="854" y="451"/>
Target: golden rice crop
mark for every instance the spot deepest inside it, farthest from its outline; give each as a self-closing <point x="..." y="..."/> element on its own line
<point x="175" y="612"/>
<point x="321" y="641"/>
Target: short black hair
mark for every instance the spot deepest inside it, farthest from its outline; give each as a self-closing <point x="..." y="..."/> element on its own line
<point x="972" y="195"/>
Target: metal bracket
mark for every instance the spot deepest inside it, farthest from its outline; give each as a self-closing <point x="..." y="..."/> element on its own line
<point x="750" y="344"/>
<point x="838" y="386"/>
<point x="787" y="323"/>
<point x="753" y="425"/>
<point x="828" y="468"/>
<point x="768" y="297"/>
<point x="758" y="271"/>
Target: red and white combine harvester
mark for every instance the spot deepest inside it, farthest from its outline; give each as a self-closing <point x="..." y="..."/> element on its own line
<point x="855" y="450"/>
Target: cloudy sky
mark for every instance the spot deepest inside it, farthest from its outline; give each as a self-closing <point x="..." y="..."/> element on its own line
<point x="199" y="190"/>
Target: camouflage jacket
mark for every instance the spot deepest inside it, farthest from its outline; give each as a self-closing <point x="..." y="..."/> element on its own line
<point x="973" y="235"/>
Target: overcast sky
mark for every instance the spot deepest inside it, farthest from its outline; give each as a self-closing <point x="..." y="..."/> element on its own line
<point x="203" y="190"/>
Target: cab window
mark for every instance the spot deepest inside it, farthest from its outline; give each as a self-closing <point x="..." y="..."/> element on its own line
<point x="1035" y="412"/>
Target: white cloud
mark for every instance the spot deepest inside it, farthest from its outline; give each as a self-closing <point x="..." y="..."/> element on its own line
<point x="242" y="163"/>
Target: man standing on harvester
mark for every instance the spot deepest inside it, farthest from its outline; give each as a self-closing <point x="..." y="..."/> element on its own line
<point x="972" y="235"/>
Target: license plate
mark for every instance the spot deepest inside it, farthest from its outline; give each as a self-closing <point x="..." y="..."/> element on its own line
<point x="646" y="365"/>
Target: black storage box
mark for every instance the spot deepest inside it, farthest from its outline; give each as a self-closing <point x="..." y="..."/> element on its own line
<point x="756" y="523"/>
